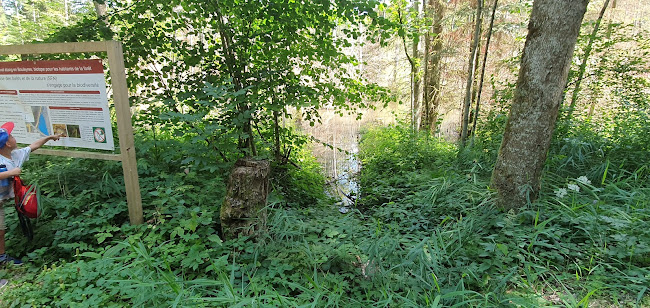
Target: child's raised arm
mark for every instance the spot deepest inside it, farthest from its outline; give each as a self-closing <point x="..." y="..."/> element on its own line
<point x="40" y="142"/>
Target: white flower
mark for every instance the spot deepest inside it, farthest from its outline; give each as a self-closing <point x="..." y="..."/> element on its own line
<point x="584" y="180"/>
<point x="573" y="187"/>
<point x="560" y="192"/>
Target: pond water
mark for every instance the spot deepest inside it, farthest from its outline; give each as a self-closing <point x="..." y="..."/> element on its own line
<point x="341" y="164"/>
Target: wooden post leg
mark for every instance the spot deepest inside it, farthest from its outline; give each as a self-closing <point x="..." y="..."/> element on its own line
<point x="125" y="131"/>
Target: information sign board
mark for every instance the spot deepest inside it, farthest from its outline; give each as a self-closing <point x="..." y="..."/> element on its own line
<point x="57" y="97"/>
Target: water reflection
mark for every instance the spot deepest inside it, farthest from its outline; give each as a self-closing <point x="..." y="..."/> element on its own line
<point x="341" y="164"/>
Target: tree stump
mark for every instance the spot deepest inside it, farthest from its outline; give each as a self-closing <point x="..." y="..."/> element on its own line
<point x="243" y="211"/>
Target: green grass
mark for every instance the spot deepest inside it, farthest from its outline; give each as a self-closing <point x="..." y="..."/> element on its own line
<point x="426" y="234"/>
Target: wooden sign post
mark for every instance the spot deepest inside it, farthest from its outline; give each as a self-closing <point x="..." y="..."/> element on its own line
<point x="115" y="59"/>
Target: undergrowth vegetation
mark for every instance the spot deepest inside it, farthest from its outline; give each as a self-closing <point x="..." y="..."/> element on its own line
<point x="424" y="233"/>
<point x="424" y="230"/>
<point x="213" y="81"/>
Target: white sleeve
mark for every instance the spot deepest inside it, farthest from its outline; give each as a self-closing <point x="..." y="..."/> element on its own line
<point x="21" y="156"/>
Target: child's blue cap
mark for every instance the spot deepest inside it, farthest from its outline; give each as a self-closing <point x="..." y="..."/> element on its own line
<point x="5" y="132"/>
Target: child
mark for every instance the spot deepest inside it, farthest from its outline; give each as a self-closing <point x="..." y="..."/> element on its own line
<point x="13" y="159"/>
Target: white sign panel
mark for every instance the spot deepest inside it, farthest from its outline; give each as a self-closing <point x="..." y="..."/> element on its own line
<point x="57" y="97"/>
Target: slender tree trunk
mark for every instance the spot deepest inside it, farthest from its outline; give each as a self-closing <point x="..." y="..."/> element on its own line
<point x="20" y="26"/>
<point x="470" y="71"/>
<point x="415" y="76"/>
<point x="413" y="70"/>
<point x="610" y="24"/>
<point x="595" y="95"/>
<point x="485" y="55"/>
<point x="585" y="59"/>
<point x="361" y="66"/>
<point x="236" y="73"/>
<point x="34" y="13"/>
<point x="475" y="78"/>
<point x="426" y="99"/>
<point x="396" y="62"/>
<point x="552" y="33"/>
<point x="66" y="15"/>
<point x="276" y="132"/>
<point x="436" y="65"/>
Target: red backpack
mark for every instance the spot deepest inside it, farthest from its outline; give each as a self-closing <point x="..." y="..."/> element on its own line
<point x="27" y="198"/>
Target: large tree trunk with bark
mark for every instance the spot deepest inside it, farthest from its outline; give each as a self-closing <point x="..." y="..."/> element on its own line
<point x="433" y="61"/>
<point x="242" y="212"/>
<point x="552" y="33"/>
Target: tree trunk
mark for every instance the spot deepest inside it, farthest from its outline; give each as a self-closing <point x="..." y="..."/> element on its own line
<point x="66" y="13"/>
<point x="610" y="24"/>
<point x="100" y="9"/>
<point x="475" y="78"/>
<point x="552" y="33"/>
<point x="242" y="212"/>
<point x="276" y="133"/>
<point x="20" y="26"/>
<point x="412" y="65"/>
<point x="396" y="65"/>
<point x="433" y="62"/>
<point x="585" y="58"/>
<point x="235" y="70"/>
<point x="480" y="84"/>
<point x="426" y="56"/>
<point x="415" y="78"/>
<point x="470" y="71"/>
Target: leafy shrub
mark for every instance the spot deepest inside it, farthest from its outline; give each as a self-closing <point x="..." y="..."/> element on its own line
<point x="84" y="202"/>
<point x="395" y="160"/>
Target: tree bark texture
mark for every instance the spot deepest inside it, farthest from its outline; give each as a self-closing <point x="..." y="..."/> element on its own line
<point x="243" y="210"/>
<point x="415" y="78"/>
<point x="475" y="78"/>
<point x="485" y="55"/>
<point x="552" y="33"/>
<point x="100" y="9"/>
<point x="433" y="61"/>
<point x="473" y="55"/>
<point x="426" y="55"/>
